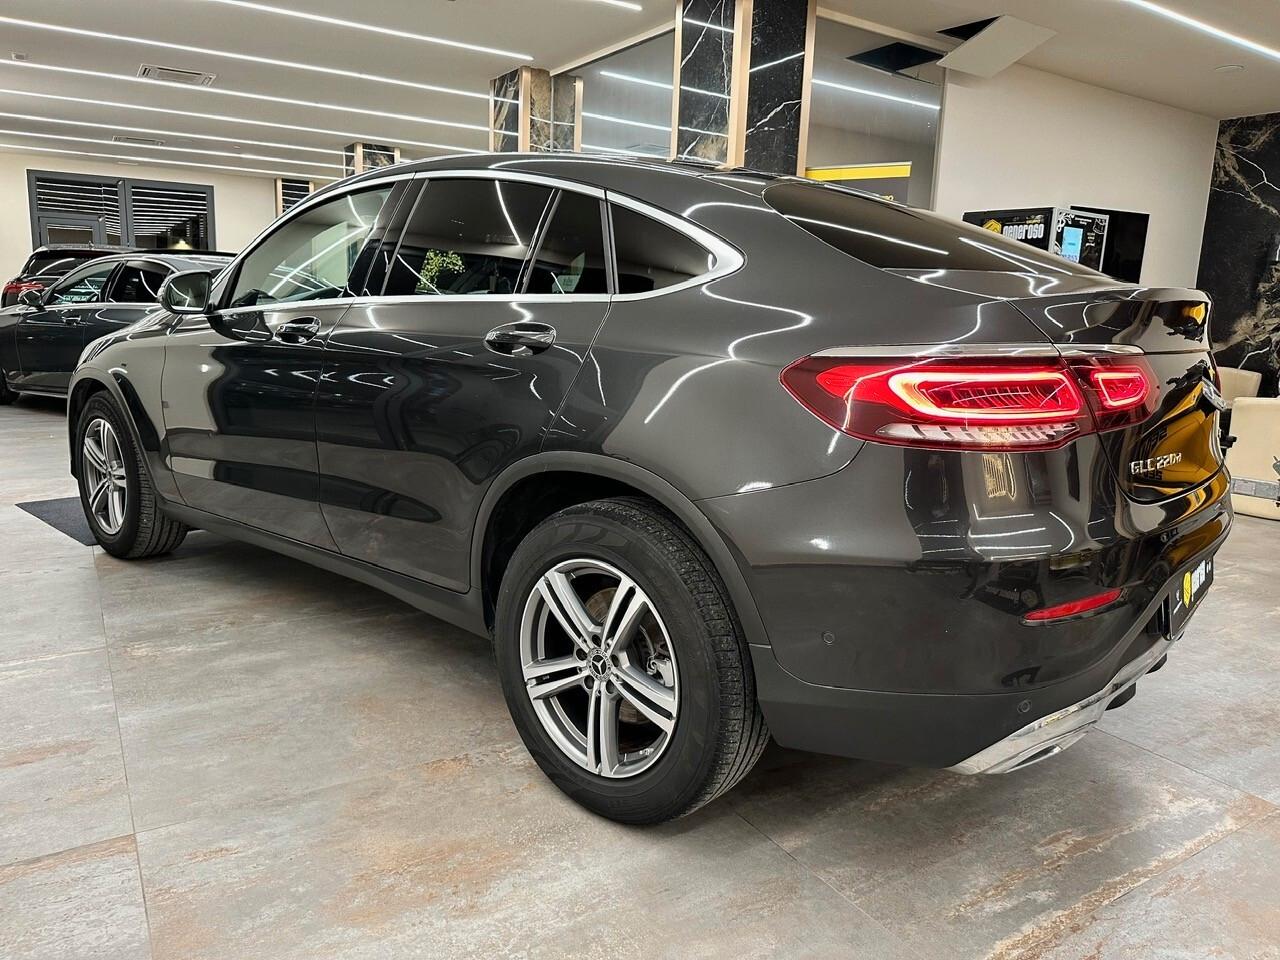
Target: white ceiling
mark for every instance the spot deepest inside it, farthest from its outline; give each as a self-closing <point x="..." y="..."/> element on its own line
<point x="1123" y="47"/>
<point x="1107" y="42"/>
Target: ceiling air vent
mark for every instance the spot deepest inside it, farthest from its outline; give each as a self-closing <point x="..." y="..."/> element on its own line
<point x="192" y="78"/>
<point x="138" y="141"/>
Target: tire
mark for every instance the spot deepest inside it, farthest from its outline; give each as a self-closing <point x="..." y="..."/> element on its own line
<point x="139" y="529"/>
<point x="7" y="396"/>
<point x="718" y="732"/>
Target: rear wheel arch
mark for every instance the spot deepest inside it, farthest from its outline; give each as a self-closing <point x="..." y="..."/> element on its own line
<point x="561" y="479"/>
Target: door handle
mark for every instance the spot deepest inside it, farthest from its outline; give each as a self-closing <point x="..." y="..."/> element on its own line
<point x="297" y="331"/>
<point x="520" y="339"/>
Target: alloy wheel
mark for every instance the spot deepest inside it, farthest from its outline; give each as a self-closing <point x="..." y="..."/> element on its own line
<point x="105" y="478"/>
<point x="599" y="668"/>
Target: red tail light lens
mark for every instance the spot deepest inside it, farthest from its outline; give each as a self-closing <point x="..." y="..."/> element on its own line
<point x="19" y="287"/>
<point x="989" y="404"/>
<point x="1074" y="608"/>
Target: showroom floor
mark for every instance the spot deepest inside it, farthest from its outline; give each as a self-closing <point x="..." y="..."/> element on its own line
<point x="227" y="754"/>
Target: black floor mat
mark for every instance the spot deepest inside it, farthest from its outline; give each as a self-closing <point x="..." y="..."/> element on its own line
<point x="65" y="515"/>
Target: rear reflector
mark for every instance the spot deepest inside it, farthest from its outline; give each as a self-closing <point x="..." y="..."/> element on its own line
<point x="1073" y="608"/>
<point x="998" y="403"/>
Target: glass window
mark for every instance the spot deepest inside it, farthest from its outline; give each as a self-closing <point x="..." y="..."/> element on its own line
<point x="138" y="283"/>
<point x="892" y="237"/>
<point x="84" y="287"/>
<point x="652" y="256"/>
<point x="571" y="256"/>
<point x="310" y="256"/>
<point x="467" y="237"/>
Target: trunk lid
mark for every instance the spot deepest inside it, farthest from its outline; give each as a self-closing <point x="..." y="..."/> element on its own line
<point x="1178" y="447"/>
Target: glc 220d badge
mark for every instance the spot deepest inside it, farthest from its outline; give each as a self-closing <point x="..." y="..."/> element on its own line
<point x="1141" y="468"/>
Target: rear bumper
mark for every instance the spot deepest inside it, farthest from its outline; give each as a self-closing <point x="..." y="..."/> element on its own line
<point x="895" y="620"/>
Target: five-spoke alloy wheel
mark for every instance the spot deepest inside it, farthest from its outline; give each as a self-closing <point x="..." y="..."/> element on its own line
<point x="599" y="667"/>
<point x="105" y="477"/>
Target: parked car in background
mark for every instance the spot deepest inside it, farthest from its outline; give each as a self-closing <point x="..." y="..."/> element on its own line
<point x="47" y="264"/>
<point x="709" y="455"/>
<point x="44" y="332"/>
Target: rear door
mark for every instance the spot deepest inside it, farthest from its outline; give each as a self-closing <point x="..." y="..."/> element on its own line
<point x="456" y="370"/>
<point x="49" y="339"/>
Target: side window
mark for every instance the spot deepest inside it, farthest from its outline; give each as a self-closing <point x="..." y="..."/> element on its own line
<point x="467" y="237"/>
<point x="83" y="287"/>
<point x="310" y="256"/>
<point x="571" y="257"/>
<point x="137" y="283"/>
<point x="651" y="255"/>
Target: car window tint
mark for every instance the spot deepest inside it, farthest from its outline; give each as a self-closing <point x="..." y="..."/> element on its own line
<point x="571" y="255"/>
<point x="652" y="255"/>
<point x="83" y="287"/>
<point x="894" y="237"/>
<point x="467" y="237"/>
<point x="50" y="263"/>
<point x="138" y="283"/>
<point x="310" y="256"/>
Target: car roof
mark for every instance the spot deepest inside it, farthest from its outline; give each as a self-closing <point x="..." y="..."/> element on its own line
<point x="179" y="261"/>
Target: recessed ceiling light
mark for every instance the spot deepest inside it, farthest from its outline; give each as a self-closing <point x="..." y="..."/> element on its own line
<point x="875" y="93"/>
<point x="241" y="121"/>
<point x="26" y="148"/>
<point x="245" y="95"/>
<point x="150" y="146"/>
<point x="1230" y="68"/>
<point x="368" y="27"/>
<point x="231" y="55"/>
<point x="1208" y="28"/>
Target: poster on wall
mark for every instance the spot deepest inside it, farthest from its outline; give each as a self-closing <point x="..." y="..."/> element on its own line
<point x="1080" y="236"/>
<point x="888" y="180"/>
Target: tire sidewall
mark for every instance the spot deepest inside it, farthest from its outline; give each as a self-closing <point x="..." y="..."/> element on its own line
<point x="122" y="541"/>
<point x="688" y="758"/>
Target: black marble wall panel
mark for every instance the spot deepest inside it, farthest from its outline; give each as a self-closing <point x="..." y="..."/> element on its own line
<point x="1241" y="237"/>
<point x="359" y="157"/>
<point x="504" y="111"/>
<point x="775" y="85"/>
<point x="706" y="79"/>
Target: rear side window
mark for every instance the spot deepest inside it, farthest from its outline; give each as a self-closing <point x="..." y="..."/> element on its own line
<point x="652" y="255"/>
<point x="138" y="283"/>
<point x="468" y="237"/>
<point x="52" y="263"/>
<point x="571" y="256"/>
<point x="891" y="237"/>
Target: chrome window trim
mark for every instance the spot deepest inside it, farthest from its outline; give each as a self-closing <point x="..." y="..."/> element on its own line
<point x="728" y="259"/>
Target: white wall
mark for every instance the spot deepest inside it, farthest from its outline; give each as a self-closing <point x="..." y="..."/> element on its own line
<point x="1027" y="138"/>
<point x="242" y="206"/>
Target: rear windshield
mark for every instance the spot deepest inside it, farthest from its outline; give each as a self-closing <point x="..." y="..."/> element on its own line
<point x="894" y="237"/>
<point x="54" y="263"/>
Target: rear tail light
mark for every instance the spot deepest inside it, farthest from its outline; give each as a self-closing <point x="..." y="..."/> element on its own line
<point x="17" y="287"/>
<point x="1073" y="608"/>
<point x="998" y="403"/>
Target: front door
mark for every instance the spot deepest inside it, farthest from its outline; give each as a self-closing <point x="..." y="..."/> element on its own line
<point x="239" y="387"/>
<point x="432" y="389"/>
<point x="51" y="337"/>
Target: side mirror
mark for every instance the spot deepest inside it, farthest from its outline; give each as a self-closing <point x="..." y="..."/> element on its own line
<point x="31" y="298"/>
<point x="187" y="294"/>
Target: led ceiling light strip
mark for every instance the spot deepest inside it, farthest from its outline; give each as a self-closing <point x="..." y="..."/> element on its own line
<point x="1208" y="28"/>
<point x="243" y="121"/>
<point x="624" y="4"/>
<point x="658" y="83"/>
<point x="152" y="146"/>
<point x="242" y="94"/>
<point x="327" y="151"/>
<point x="875" y="93"/>
<point x="230" y="55"/>
<point x="368" y="28"/>
<point x="24" y="148"/>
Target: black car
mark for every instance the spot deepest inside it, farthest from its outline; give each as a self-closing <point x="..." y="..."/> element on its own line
<point x="709" y="455"/>
<point x="46" y="264"/>
<point x="42" y="336"/>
